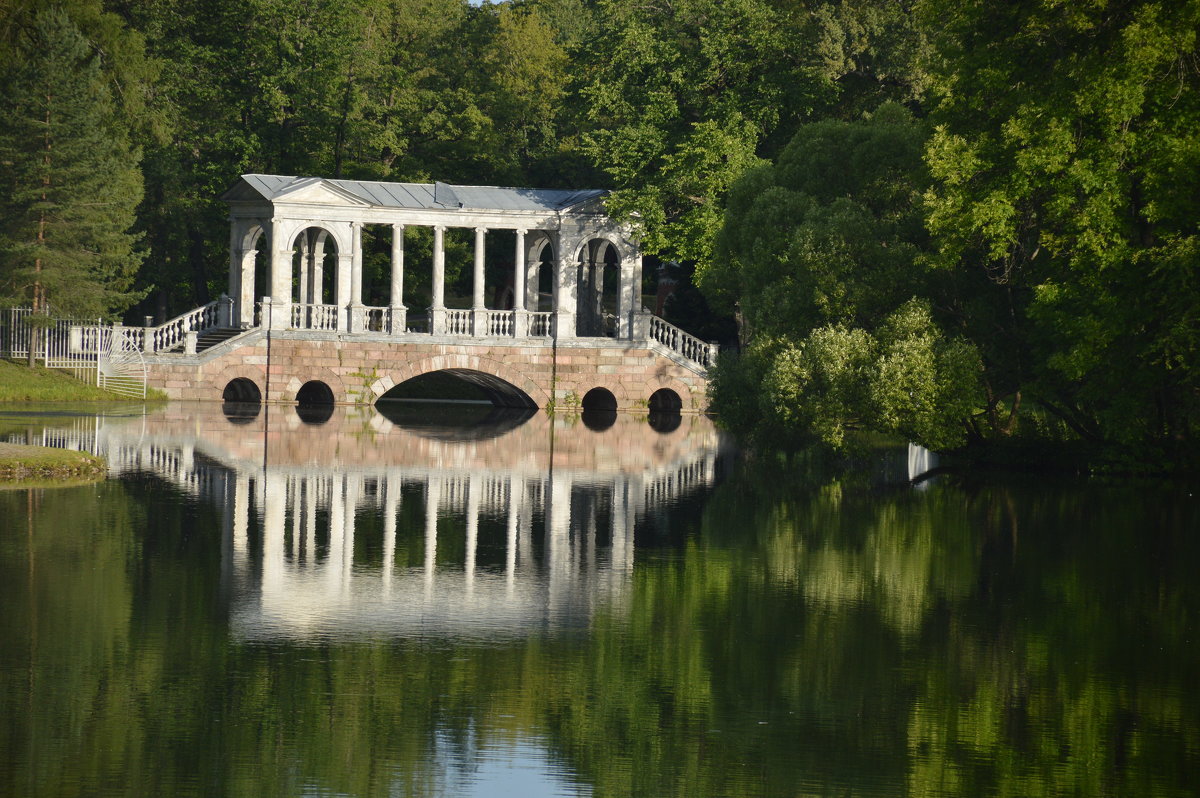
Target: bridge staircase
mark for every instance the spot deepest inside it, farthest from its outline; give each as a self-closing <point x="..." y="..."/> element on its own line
<point x="213" y="336"/>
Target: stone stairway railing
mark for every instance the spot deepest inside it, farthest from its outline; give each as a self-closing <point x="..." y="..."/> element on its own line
<point x="174" y="334"/>
<point x="687" y="346"/>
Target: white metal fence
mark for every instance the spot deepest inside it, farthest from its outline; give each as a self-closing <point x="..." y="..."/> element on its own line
<point x="105" y="355"/>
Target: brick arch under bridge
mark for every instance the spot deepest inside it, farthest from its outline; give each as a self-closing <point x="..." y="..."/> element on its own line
<point x="360" y="370"/>
<point x="504" y="385"/>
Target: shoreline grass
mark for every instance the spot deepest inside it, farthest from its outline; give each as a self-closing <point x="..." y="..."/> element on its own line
<point x="19" y="383"/>
<point x="20" y="465"/>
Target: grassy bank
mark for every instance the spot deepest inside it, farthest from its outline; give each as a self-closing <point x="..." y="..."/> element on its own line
<point x="19" y="383"/>
<point x="26" y="464"/>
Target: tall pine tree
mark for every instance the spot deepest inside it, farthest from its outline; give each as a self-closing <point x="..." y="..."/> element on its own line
<point x="70" y="180"/>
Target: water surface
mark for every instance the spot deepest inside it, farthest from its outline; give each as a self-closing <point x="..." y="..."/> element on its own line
<point x="470" y="603"/>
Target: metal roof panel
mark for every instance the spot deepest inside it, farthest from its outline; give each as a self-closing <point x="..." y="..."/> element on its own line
<point x="423" y="196"/>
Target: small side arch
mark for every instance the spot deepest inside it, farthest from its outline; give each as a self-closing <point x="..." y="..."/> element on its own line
<point x="217" y="382"/>
<point x="665" y="400"/>
<point x="599" y="399"/>
<point x="242" y="390"/>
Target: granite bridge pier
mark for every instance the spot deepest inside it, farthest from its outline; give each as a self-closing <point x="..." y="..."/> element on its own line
<point x="555" y="316"/>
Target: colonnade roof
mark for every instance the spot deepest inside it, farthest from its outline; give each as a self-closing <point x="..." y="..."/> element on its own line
<point x="413" y="196"/>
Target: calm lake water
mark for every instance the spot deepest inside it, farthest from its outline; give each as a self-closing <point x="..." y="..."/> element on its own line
<point x="460" y="602"/>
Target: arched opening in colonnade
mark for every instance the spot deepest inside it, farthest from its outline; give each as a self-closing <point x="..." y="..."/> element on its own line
<point x="314" y="280"/>
<point x="539" y="284"/>
<point x="599" y="274"/>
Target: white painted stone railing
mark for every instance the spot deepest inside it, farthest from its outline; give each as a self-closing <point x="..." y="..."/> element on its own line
<point x="690" y="347"/>
<point x="497" y="323"/>
<point x="540" y="324"/>
<point x="375" y="319"/>
<point x="172" y="334"/>
<point x="458" y="322"/>
<point x="314" y="317"/>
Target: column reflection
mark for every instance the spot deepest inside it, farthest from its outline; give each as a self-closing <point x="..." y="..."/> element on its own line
<point x="496" y="529"/>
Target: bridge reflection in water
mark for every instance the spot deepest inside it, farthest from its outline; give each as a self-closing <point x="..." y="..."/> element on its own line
<point x="404" y="525"/>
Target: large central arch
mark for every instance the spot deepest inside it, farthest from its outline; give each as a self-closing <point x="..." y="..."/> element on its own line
<point x="500" y="382"/>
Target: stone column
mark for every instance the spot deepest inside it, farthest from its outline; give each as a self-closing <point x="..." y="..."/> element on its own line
<point x="520" y="283"/>
<point x="351" y="487"/>
<point x="566" y="291"/>
<point x="437" y="307"/>
<point x="478" y="307"/>
<point x="598" y="297"/>
<point x="241" y="523"/>
<point x="558" y="540"/>
<point x="584" y="272"/>
<point x="337" y="533"/>
<point x="345" y="266"/>
<point x="245" y="297"/>
<point x="399" y="314"/>
<point x="627" y="296"/>
<point x="356" y="269"/>
<point x="281" y="280"/>
<point x="310" y="518"/>
<point x="532" y="294"/>
<point x="639" y="319"/>
<point x="296" y="505"/>
<point x="312" y="281"/>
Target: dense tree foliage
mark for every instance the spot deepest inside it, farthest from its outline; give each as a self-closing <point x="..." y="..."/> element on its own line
<point x="1036" y="207"/>
<point x="69" y="171"/>
<point x="1067" y="168"/>
<point x="1056" y="237"/>
<point x="826" y="253"/>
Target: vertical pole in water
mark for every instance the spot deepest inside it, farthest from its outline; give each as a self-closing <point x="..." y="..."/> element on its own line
<point x="391" y="493"/>
<point x="515" y="503"/>
<point x="432" y="499"/>
<point x="474" y="486"/>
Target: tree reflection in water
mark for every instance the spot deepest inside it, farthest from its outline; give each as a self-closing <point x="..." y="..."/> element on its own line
<point x="203" y="627"/>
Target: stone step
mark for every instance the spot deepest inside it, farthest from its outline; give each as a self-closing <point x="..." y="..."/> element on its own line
<point x="217" y="335"/>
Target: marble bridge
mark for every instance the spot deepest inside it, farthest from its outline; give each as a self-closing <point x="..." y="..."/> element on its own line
<point x="555" y="316"/>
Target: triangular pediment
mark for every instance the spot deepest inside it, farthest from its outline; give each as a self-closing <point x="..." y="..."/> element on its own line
<point x="243" y="191"/>
<point x="316" y="191"/>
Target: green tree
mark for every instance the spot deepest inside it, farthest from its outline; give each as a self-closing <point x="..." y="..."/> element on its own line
<point x="826" y="255"/>
<point x="678" y="100"/>
<point x="1066" y="171"/>
<point x="69" y="176"/>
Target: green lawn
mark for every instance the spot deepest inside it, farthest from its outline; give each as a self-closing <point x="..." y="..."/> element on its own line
<point x="19" y="383"/>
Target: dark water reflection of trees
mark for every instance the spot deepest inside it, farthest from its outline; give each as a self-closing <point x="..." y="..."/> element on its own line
<point x="975" y="637"/>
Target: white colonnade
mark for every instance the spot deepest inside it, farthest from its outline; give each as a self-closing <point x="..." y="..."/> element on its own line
<point x="298" y="221"/>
